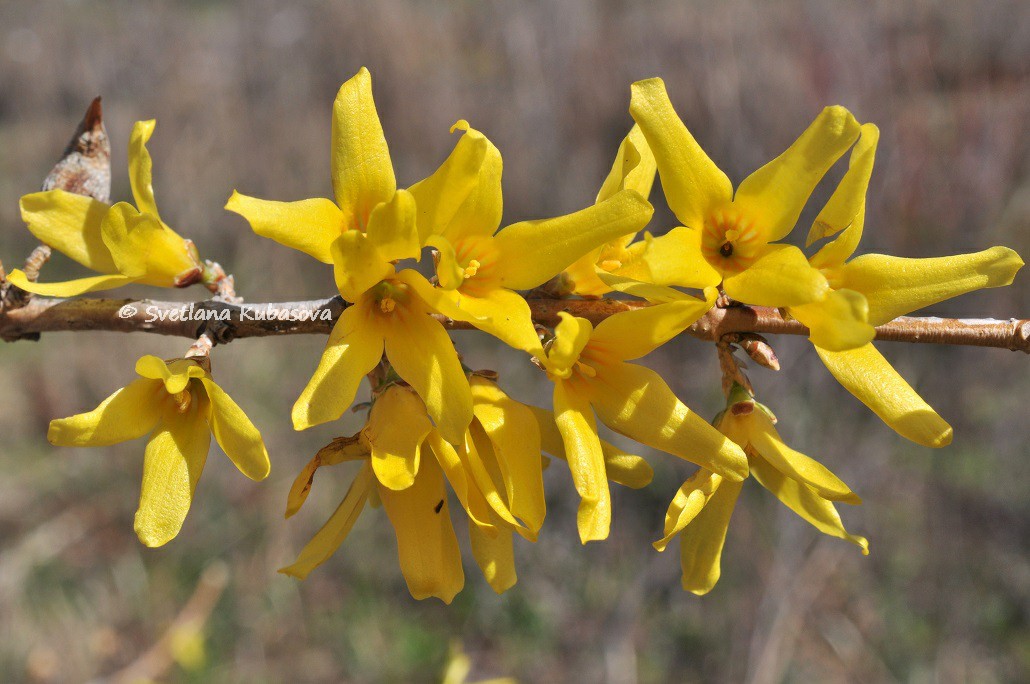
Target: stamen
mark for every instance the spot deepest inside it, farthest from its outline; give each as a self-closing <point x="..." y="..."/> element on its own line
<point x="472" y="269"/>
<point x="182" y="401"/>
<point x="611" y="264"/>
<point x="387" y="305"/>
<point x="586" y="369"/>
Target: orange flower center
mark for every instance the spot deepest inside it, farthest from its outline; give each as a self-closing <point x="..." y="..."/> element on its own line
<point x="730" y="242"/>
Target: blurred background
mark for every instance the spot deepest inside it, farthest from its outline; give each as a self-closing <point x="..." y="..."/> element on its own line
<point x="242" y="92"/>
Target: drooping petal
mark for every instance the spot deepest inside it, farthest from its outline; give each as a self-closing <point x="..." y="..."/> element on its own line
<point x="672" y="259"/>
<point x="690" y="499"/>
<point x="70" y="224"/>
<point x="804" y="501"/>
<point x="428" y="550"/>
<point x="463" y="196"/>
<point x="896" y="286"/>
<point x="515" y="437"/>
<point x="793" y="464"/>
<point x="846" y="205"/>
<point x="780" y="277"/>
<point x="775" y="194"/>
<point x="141" y="168"/>
<point x="479" y="461"/>
<point x="636" y="402"/>
<point x="621" y="468"/>
<point x="335" y="531"/>
<point x="702" y="541"/>
<point x="175" y="374"/>
<point x="339" y="450"/>
<point x="70" y="288"/>
<point x="129" y="413"/>
<point x="310" y="225"/>
<point x="693" y="184"/>
<point x="354" y="348"/>
<point x="235" y="433"/>
<point x="631" y="334"/>
<point x="362" y="171"/>
<point x="866" y="374"/>
<point x="396" y="428"/>
<point x="422" y="353"/>
<point x="143" y="246"/>
<point x="532" y="252"/>
<point x="633" y="169"/>
<point x="571" y="336"/>
<point x="838" y="322"/>
<point x="495" y="557"/>
<point x="172" y="464"/>
<point x="471" y="499"/>
<point x="357" y="264"/>
<point x="575" y="420"/>
<point x="391" y="228"/>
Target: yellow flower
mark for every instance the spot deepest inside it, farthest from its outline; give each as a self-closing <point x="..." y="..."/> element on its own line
<point x="495" y="473"/>
<point x="590" y="374"/>
<point x="729" y="237"/>
<point x="370" y="226"/>
<point x="878" y="288"/>
<point x="701" y="509"/>
<point x="127" y="244"/>
<point x="634" y="169"/>
<point x="179" y="404"/>
<point x="459" y="210"/>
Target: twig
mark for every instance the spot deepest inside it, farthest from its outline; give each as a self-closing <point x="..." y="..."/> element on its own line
<point x="227" y="322"/>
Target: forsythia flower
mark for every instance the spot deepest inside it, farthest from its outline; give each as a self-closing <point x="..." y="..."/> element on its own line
<point x="495" y="472"/>
<point x="128" y="244"/>
<point x="179" y="403"/>
<point x="727" y="238"/>
<point x="634" y="169"/>
<point x="589" y="370"/>
<point x="478" y="267"/>
<point x="369" y="227"/>
<point x="882" y="288"/>
<point x="701" y="510"/>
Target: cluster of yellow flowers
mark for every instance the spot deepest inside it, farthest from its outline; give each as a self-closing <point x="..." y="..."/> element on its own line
<point x="434" y="423"/>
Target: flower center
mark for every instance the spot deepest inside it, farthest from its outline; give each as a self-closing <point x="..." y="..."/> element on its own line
<point x="182" y="401"/>
<point x="388" y="295"/>
<point x="472" y="269"/>
<point x="730" y="242"/>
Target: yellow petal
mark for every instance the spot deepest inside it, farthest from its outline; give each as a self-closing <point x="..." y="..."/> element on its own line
<point x="357" y="264"/>
<point x="620" y="467"/>
<point x="362" y="170"/>
<point x="175" y="374"/>
<point x="463" y="196"/>
<point x="650" y="292"/>
<point x="449" y="273"/>
<point x="391" y="228"/>
<point x="142" y="246"/>
<point x="70" y="224"/>
<point x="328" y="539"/>
<point x="634" y="167"/>
<point x="495" y="557"/>
<point x="804" y="501"/>
<point x="234" y="432"/>
<point x="896" y="286"/>
<point x="575" y="420"/>
<point x="396" y="428"/>
<point x="423" y="355"/>
<point x="428" y="550"/>
<point x="571" y="335"/>
<point x="141" y="168"/>
<point x="631" y="334"/>
<point x="635" y="402"/>
<point x="866" y="374"/>
<point x="471" y="499"/>
<point x="129" y="413"/>
<point x="690" y="499"/>
<point x="795" y="465"/>
<point x="71" y="288"/>
<point x="310" y="225"/>
<point x="693" y="184"/>
<point x="531" y="252"/>
<point x="775" y="194"/>
<point x="847" y="203"/>
<point x="172" y="464"/>
<point x="701" y="542"/>
<point x="838" y="322"/>
<point x="780" y="277"/>
<point x="354" y="348"/>
<point x="513" y="431"/>
<point x="480" y="462"/>
<point x="672" y="259"/>
<point x="339" y="450"/>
